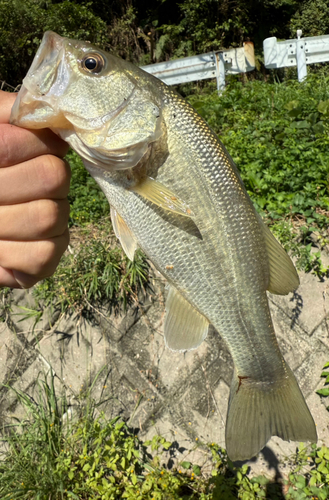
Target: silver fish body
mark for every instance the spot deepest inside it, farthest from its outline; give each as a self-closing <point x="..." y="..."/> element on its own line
<point x="175" y="192"/>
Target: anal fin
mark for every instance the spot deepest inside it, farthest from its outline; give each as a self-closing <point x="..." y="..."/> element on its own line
<point x="184" y="327"/>
<point x="123" y="233"/>
<point x="162" y="196"/>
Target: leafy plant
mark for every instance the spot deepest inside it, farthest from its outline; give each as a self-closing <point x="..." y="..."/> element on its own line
<point x="324" y="392"/>
<point x="59" y="452"/>
<point x="95" y="273"/>
<point x="87" y="201"/>
<point x="23" y="25"/>
<point x="278" y="135"/>
<point x="310" y="479"/>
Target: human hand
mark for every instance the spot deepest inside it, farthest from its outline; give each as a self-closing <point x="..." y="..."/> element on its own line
<point x="34" y="210"/>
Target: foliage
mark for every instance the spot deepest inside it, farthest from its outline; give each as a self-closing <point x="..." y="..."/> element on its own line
<point x="23" y="25"/>
<point x="88" y="203"/>
<point x="278" y="136"/>
<point x="310" y="479"/>
<point x="146" y="33"/>
<point x="324" y="392"/>
<point x="59" y="452"/>
<point x="312" y="16"/>
<point x="122" y="39"/>
<point x="93" y="274"/>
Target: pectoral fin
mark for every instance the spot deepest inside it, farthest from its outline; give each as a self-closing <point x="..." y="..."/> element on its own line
<point x="283" y="275"/>
<point x="160" y="195"/>
<point x="123" y="233"/>
<point x="184" y="328"/>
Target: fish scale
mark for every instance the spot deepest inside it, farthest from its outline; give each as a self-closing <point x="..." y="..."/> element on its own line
<point x="176" y="193"/>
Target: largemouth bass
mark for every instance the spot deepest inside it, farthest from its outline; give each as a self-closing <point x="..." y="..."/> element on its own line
<point x="175" y="193"/>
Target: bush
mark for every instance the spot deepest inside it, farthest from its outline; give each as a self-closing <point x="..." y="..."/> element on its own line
<point x="278" y="137"/>
<point x="60" y="453"/>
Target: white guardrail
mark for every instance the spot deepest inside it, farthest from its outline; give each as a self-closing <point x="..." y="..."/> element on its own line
<point x="300" y="52"/>
<point x="211" y="65"/>
<point x="297" y="52"/>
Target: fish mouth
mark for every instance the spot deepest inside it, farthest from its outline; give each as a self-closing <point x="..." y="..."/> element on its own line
<point x="36" y="103"/>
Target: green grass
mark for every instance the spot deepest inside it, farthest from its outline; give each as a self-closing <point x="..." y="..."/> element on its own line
<point x="53" y="453"/>
<point x="87" y="201"/>
<point x="96" y="272"/>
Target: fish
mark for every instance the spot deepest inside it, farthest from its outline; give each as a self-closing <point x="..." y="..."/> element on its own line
<point x="176" y="194"/>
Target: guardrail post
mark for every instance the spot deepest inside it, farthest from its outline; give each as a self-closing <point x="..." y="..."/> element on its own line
<point x="301" y="57"/>
<point x="220" y="72"/>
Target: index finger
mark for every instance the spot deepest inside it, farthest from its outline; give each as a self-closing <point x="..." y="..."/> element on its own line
<point x="7" y="100"/>
<point x="17" y="144"/>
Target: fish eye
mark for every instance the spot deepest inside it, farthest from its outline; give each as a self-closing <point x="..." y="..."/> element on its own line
<point x="93" y="63"/>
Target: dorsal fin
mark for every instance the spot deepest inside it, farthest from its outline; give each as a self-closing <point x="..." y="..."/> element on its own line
<point x="283" y="275"/>
<point x="184" y="328"/>
<point x="123" y="233"/>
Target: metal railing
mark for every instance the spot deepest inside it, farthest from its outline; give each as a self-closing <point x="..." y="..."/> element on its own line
<point x="211" y="65"/>
<point x="297" y="52"/>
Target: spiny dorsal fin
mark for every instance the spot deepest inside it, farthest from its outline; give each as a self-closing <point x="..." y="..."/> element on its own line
<point x="162" y="196"/>
<point x="184" y="327"/>
<point x="123" y="233"/>
<point x="283" y="275"/>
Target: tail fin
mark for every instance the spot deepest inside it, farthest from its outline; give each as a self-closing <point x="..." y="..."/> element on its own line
<point x="259" y="410"/>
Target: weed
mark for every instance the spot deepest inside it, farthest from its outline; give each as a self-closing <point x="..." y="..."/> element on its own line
<point x="5" y="303"/>
<point x="54" y="454"/>
<point x="279" y="136"/>
<point x="95" y="272"/>
<point x="310" y="479"/>
<point x="324" y="392"/>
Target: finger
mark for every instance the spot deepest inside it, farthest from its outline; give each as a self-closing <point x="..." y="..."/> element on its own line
<point x="16" y="279"/>
<point x="7" y="100"/>
<point x="35" y="220"/>
<point x="24" y="280"/>
<point x="38" y="259"/>
<point x="18" y="145"/>
<point x="43" y="177"/>
<point x="7" y="278"/>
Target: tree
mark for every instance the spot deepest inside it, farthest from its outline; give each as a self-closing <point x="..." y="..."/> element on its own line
<point x="24" y="22"/>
